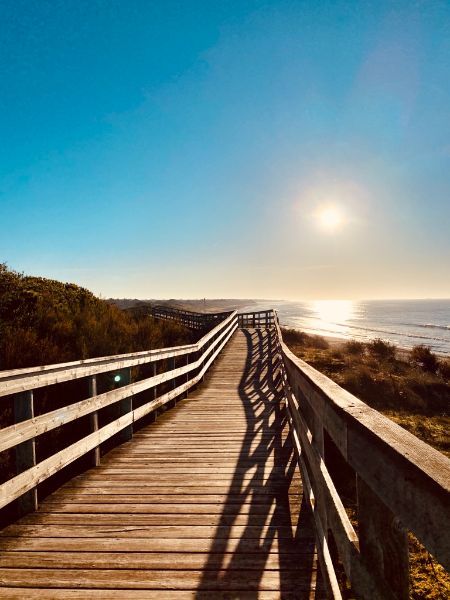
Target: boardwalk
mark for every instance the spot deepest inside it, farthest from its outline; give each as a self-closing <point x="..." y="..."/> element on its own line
<point x="204" y="503"/>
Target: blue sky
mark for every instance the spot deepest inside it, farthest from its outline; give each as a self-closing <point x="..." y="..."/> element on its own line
<point x="190" y="149"/>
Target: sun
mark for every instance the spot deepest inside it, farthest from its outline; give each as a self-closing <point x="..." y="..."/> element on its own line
<point x="329" y="218"/>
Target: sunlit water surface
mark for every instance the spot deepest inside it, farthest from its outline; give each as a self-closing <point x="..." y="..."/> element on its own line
<point x="405" y="323"/>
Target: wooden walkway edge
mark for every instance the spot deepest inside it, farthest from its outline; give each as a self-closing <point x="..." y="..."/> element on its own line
<point x="204" y="503"/>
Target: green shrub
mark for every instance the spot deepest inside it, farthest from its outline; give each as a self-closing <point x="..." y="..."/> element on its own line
<point x="43" y="321"/>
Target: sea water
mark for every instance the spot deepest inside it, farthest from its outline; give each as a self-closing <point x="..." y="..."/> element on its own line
<point x="406" y="323"/>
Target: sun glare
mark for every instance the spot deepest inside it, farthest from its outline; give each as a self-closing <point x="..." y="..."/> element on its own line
<point x="329" y="218"/>
<point x="333" y="312"/>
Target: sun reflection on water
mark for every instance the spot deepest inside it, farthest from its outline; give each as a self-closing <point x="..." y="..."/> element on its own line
<point x="333" y="314"/>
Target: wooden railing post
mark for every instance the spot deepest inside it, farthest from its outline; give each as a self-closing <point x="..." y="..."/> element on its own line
<point x="152" y="415"/>
<point x="174" y="366"/>
<point x="187" y="376"/>
<point x="93" y="419"/>
<point x="25" y="452"/>
<point x="383" y="541"/>
<point x="123" y="407"/>
<point x="318" y="440"/>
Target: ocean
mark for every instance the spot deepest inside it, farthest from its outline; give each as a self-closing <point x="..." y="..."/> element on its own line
<point x="405" y="323"/>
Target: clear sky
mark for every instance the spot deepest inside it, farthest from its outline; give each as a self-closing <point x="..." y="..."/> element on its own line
<point x="271" y="149"/>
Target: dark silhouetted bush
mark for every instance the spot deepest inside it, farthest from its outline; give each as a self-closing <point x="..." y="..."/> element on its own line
<point x="293" y="337"/>
<point x="381" y="350"/>
<point x="444" y="369"/>
<point x="355" y="348"/>
<point x="424" y="358"/>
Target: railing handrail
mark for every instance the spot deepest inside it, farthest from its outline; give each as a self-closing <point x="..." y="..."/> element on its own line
<point x="22" y="380"/>
<point x="258" y="318"/>
<point x="27" y="429"/>
<point x="210" y="316"/>
<point x="409" y="478"/>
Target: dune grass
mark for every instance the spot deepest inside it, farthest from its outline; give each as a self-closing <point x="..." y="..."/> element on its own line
<point x="411" y="388"/>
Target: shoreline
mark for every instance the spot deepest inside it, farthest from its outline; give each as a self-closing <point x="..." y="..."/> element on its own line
<point x="337" y="343"/>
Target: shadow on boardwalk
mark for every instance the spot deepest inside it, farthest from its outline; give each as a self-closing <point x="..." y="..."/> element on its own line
<point x="282" y="556"/>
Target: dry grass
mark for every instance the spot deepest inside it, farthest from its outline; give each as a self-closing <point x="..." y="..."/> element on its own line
<point x="389" y="381"/>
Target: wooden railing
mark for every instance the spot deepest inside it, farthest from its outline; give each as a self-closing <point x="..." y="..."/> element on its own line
<point x="22" y="384"/>
<point x="203" y="321"/>
<point x="401" y="484"/>
<point x="261" y="318"/>
<point x="188" y="318"/>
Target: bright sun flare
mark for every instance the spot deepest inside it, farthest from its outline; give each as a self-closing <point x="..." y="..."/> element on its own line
<point x="329" y="218"/>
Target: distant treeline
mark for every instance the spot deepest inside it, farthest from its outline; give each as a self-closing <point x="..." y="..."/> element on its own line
<point x="43" y="321"/>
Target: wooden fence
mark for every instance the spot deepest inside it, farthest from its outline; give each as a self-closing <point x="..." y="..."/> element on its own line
<point x="261" y="318"/>
<point x="202" y="321"/>
<point x="22" y="383"/>
<point x="188" y="318"/>
<point x="401" y="484"/>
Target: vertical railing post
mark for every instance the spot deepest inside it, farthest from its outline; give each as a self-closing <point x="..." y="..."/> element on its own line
<point x="383" y="541"/>
<point x="152" y="415"/>
<point x="174" y="366"/>
<point x="173" y="402"/>
<point x="127" y="407"/>
<point x="26" y="451"/>
<point x="202" y="363"/>
<point x="318" y="441"/>
<point x="93" y="421"/>
<point x="123" y="407"/>
<point x="155" y="387"/>
<point x="187" y="375"/>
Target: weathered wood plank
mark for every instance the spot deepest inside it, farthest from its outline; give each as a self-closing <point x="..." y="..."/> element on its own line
<point x="17" y="593"/>
<point x="144" y="560"/>
<point x="136" y="544"/>
<point x="157" y="579"/>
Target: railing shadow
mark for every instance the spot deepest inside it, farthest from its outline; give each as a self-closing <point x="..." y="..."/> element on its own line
<point x="275" y="550"/>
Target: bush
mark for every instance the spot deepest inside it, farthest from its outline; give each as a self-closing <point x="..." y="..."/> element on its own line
<point x="295" y="337"/>
<point x="444" y="369"/>
<point x="43" y="321"/>
<point x="355" y="348"/>
<point x="317" y="341"/>
<point x="424" y="358"/>
<point x="381" y="350"/>
<point x="359" y="381"/>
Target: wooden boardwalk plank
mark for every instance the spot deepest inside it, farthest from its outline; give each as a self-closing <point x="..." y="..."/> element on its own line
<point x="203" y="503"/>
